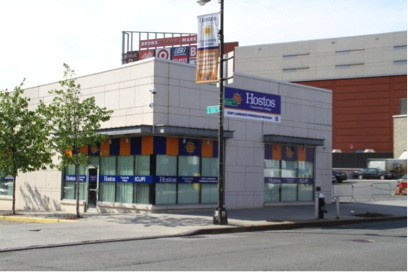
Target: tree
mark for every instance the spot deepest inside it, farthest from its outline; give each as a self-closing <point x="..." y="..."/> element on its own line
<point x="74" y="122"/>
<point x="23" y="137"/>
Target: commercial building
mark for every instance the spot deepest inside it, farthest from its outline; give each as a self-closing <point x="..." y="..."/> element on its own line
<point x="368" y="77"/>
<point x="162" y="147"/>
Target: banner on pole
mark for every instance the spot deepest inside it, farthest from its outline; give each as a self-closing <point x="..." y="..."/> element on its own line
<point x="207" y="48"/>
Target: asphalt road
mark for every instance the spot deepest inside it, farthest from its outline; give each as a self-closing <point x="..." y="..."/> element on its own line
<point x="371" y="247"/>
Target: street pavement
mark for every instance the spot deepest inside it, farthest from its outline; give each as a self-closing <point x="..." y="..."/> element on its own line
<point x="35" y="229"/>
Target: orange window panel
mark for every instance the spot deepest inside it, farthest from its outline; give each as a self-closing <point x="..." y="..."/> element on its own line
<point x="104" y="148"/>
<point x="276" y="152"/>
<point x="124" y="149"/>
<point x="172" y="146"/>
<point x="301" y="153"/>
<point x="207" y="149"/>
<point x="84" y="149"/>
<point x="147" y="145"/>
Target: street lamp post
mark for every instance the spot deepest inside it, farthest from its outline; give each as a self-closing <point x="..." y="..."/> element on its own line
<point x="220" y="214"/>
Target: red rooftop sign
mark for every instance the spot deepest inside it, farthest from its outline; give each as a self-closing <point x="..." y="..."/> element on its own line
<point x="182" y="40"/>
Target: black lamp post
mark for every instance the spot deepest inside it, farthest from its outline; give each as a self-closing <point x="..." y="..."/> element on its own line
<point x="220" y="214"/>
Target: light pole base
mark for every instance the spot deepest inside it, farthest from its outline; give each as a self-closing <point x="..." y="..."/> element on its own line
<point x="220" y="217"/>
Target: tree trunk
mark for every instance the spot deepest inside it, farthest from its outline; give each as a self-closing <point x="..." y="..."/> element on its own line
<point x="77" y="189"/>
<point x="13" y="206"/>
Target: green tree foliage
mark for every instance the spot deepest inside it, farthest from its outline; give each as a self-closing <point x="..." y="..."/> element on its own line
<point x="23" y="137"/>
<point x="74" y="122"/>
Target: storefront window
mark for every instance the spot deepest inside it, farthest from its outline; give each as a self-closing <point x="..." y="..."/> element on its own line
<point x="108" y="165"/>
<point x="209" y="193"/>
<point x="289" y="169"/>
<point x="107" y="191"/>
<point x="124" y="192"/>
<point x="142" y="193"/>
<point x="6" y="187"/>
<point x="272" y="168"/>
<point x="166" y="193"/>
<point x="189" y="166"/>
<point x="166" y="165"/>
<point x="288" y="173"/>
<point x="210" y="167"/>
<point x="142" y="165"/>
<point x="126" y="165"/>
<point x="189" y="193"/>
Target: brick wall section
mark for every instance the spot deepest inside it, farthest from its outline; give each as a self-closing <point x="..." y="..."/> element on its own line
<point x="363" y="110"/>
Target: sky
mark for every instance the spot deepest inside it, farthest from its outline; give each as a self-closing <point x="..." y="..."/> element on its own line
<point x="38" y="36"/>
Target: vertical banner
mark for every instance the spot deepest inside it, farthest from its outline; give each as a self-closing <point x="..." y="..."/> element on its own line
<point x="207" y="48"/>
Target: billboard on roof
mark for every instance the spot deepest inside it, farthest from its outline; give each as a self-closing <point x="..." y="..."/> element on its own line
<point x="173" y="41"/>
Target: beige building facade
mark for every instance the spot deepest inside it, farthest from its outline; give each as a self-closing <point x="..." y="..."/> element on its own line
<point x="162" y="152"/>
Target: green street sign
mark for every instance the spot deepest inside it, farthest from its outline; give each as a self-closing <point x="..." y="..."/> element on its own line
<point x="213" y="109"/>
<point x="230" y="102"/>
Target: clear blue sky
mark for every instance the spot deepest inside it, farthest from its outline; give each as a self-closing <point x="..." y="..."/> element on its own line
<point x="38" y="36"/>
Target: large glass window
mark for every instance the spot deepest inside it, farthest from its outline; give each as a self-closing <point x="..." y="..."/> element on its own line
<point x="289" y="175"/>
<point x="142" y="193"/>
<point x="209" y="193"/>
<point x="166" y="193"/>
<point x="124" y="192"/>
<point x="126" y="165"/>
<point x="189" y="193"/>
<point x="271" y="192"/>
<point x="305" y="192"/>
<point x="289" y="169"/>
<point x="108" y="165"/>
<point x="272" y="168"/>
<point x="189" y="166"/>
<point x="142" y="165"/>
<point x="6" y="187"/>
<point x="210" y="167"/>
<point x="166" y="165"/>
<point x="107" y="191"/>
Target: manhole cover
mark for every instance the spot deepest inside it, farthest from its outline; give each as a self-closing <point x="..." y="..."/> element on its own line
<point x="363" y="241"/>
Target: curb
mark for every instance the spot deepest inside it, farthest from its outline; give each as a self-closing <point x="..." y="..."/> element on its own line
<point x="296" y="225"/>
<point x="33" y="219"/>
<point x="229" y="229"/>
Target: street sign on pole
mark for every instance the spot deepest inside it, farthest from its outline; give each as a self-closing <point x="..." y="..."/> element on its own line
<point x="230" y="102"/>
<point x="213" y="109"/>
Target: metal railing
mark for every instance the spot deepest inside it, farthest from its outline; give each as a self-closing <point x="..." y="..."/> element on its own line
<point x="363" y="192"/>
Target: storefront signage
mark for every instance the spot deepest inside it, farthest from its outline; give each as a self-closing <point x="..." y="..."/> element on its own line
<point x="180" y="54"/>
<point x="163" y="53"/>
<point x="207" y="48"/>
<point x="175" y="179"/>
<point x="73" y="178"/>
<point x="133" y="179"/>
<point x="289" y="180"/>
<point x="109" y="178"/>
<point x="252" y="105"/>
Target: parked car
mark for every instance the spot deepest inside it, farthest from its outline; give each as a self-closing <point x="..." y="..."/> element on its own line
<point x="373" y="173"/>
<point x="340" y="176"/>
<point x="334" y="179"/>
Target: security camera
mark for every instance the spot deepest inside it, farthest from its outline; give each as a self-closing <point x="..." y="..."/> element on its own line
<point x="153" y="91"/>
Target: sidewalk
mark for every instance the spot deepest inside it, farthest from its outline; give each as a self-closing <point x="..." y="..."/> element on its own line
<point x="52" y="230"/>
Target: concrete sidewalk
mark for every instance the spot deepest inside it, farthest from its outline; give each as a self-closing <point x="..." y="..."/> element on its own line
<point x="51" y="229"/>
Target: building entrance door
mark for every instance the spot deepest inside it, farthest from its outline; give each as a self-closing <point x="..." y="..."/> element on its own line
<point x="92" y="185"/>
